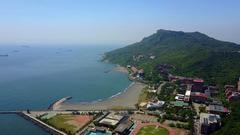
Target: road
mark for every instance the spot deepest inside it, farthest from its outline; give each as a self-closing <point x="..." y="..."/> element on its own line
<point x="160" y="87"/>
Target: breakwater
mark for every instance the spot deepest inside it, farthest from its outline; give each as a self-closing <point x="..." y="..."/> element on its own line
<point x="41" y="124"/>
<point x="55" y="104"/>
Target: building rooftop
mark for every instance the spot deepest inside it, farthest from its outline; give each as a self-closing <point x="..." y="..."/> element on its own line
<point x="107" y="121"/>
<point x="188" y="93"/>
<point x="114" y="116"/>
<point x="217" y="108"/>
<point x="111" y="119"/>
<point x="198" y="80"/>
<point x="206" y="118"/>
<point x="179" y="103"/>
<point x="141" y="71"/>
<point x="123" y="126"/>
<point x="179" y="97"/>
<point x="155" y="104"/>
<point x="134" y="69"/>
<point x="199" y="94"/>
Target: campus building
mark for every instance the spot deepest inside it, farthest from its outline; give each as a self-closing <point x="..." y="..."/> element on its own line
<point x="209" y="123"/>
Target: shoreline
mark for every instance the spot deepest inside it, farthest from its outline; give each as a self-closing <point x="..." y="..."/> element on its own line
<point x="127" y="99"/>
<point x="117" y="68"/>
<point x="121" y="69"/>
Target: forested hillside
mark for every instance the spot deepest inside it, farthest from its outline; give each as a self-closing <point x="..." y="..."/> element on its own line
<point x="190" y="53"/>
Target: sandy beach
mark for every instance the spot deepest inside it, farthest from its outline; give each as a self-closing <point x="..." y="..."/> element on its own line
<point x="121" y="69"/>
<point x="126" y="99"/>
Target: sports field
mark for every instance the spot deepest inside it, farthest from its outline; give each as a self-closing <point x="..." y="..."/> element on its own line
<point x="153" y="130"/>
<point x="69" y="123"/>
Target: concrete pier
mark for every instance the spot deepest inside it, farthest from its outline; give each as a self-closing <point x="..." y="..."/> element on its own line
<point x="55" y="105"/>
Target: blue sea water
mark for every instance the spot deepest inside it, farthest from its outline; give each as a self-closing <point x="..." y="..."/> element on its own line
<point x="34" y="77"/>
<point x="11" y="124"/>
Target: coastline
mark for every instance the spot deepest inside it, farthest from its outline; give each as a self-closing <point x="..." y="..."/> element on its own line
<point x="121" y="69"/>
<point x="126" y="99"/>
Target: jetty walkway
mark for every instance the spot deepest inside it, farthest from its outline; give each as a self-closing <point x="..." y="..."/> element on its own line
<point x="56" y="104"/>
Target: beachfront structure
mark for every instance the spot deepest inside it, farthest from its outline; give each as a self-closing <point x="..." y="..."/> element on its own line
<point x="134" y="71"/>
<point x="137" y="73"/>
<point x="217" y="109"/>
<point x="155" y="105"/>
<point x="209" y="123"/>
<point x="129" y="66"/>
<point x="142" y="104"/>
<point x="152" y="91"/>
<point x="141" y="73"/>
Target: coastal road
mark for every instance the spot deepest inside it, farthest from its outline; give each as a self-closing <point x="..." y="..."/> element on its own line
<point x="125" y="100"/>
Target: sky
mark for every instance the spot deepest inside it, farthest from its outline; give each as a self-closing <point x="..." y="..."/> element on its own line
<point x="113" y="22"/>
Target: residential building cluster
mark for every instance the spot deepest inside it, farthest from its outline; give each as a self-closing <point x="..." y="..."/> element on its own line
<point x="198" y="92"/>
<point x="232" y="92"/>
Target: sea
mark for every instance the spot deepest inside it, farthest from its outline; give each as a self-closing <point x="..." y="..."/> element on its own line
<point x="33" y="77"/>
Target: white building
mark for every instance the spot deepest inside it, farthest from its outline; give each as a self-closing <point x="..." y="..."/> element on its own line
<point x="155" y="105"/>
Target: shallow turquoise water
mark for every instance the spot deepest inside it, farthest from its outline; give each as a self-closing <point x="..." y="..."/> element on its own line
<point x="33" y="77"/>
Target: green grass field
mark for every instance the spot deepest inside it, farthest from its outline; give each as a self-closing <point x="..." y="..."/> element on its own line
<point x="60" y="122"/>
<point x="153" y="130"/>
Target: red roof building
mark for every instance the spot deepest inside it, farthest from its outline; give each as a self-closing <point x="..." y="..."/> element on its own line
<point x="198" y="81"/>
<point x="198" y="97"/>
<point x="198" y="85"/>
<point x="235" y="96"/>
<point x="134" y="71"/>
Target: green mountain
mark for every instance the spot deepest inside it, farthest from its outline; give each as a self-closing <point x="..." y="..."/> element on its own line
<point x="190" y="53"/>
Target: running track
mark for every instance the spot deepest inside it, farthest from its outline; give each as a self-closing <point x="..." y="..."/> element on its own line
<point x="140" y="125"/>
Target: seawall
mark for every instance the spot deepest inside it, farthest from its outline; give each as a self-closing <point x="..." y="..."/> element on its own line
<point x="41" y="124"/>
